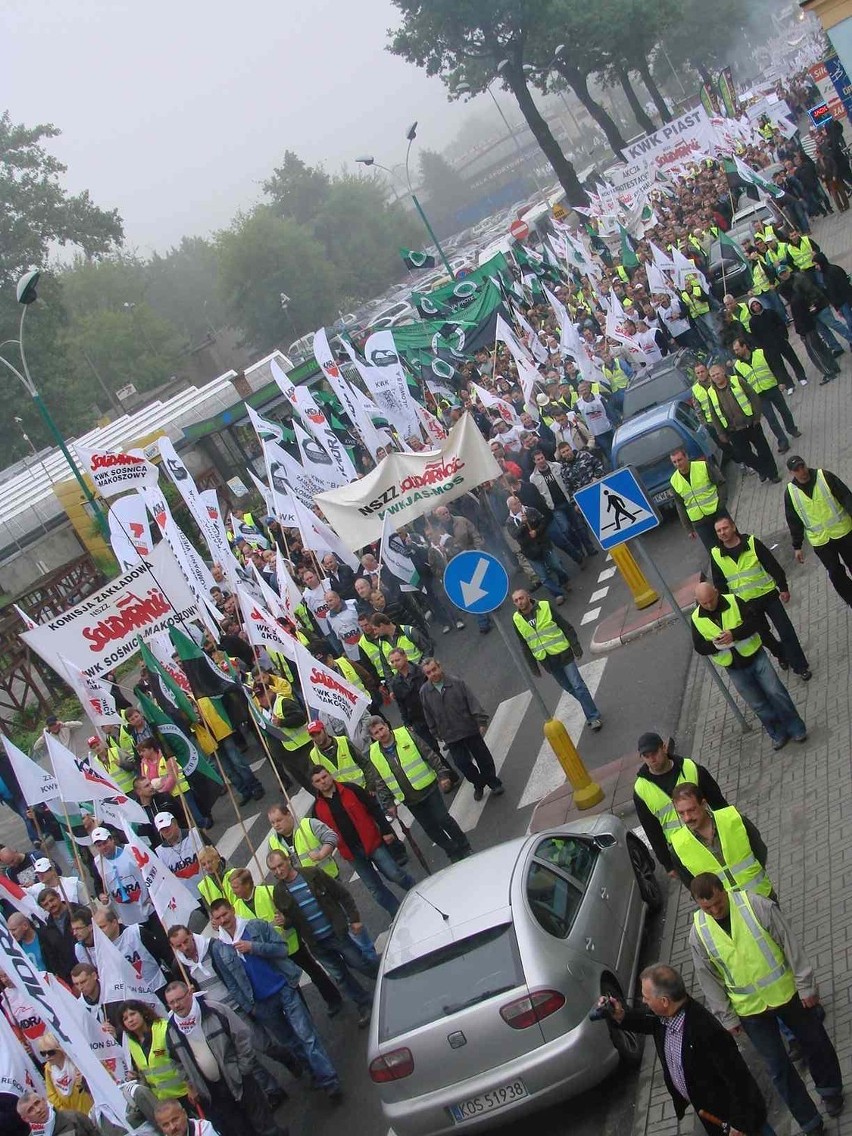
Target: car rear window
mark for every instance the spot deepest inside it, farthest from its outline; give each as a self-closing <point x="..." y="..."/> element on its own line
<point x="449" y="980"/>
<point x="662" y="387"/>
<point x="650" y="448"/>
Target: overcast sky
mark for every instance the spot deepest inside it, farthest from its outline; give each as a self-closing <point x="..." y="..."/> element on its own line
<point x="174" y="112"/>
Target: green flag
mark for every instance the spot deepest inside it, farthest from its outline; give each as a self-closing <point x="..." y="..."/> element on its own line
<point x="728" y="242"/>
<point x="205" y="678"/>
<point x="629" y="259"/>
<point x="171" y="689"/>
<point x="187" y="754"/>
<point x="413" y="259"/>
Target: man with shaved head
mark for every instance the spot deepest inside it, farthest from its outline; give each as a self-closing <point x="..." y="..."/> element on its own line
<point x="726" y="630"/>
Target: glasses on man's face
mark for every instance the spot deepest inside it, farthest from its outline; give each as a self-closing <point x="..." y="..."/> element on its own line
<point x="49" y="1052"/>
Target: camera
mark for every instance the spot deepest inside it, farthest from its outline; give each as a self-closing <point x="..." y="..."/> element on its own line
<point x="601" y="1011"/>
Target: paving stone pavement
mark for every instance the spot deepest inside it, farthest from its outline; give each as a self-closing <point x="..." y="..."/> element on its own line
<point x="798" y="797"/>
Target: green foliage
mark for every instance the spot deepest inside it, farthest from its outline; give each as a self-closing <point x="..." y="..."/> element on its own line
<point x="445" y="189"/>
<point x="297" y="192"/>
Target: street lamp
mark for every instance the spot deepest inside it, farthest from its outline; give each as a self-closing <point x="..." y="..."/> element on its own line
<point x="27" y="293"/>
<point x="369" y="160"/>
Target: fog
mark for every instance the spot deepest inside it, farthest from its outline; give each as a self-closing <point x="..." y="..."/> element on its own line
<point x="174" y="113"/>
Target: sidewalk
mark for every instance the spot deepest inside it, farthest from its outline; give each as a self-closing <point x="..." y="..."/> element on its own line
<point x="799" y="798"/>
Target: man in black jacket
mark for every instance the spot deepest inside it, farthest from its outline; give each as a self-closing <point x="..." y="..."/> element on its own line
<point x="658" y="775"/>
<point x="528" y="528"/>
<point x="701" y="1063"/>
<point x="404" y="684"/>
<point x="837" y="287"/>
<point x="340" y="576"/>
<point x="768" y="330"/>
<point x="821" y="486"/>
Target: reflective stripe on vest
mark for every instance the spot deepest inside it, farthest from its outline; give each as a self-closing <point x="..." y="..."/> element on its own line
<point x="747" y="578"/>
<point x="543" y="636"/>
<point x="181" y="783"/>
<point x="731" y="620"/>
<point x="739" y="394"/>
<point x="702" y="397"/>
<point x="698" y="493"/>
<point x="160" y="1073"/>
<point x="293" y="737"/>
<point x="304" y="840"/>
<point x="346" y="769"/>
<point x="349" y="673"/>
<point x="266" y="910"/>
<point x="751" y="965"/>
<point x="803" y="256"/>
<point x="660" y="802"/>
<point x="694" y="304"/>
<point x="822" y="515"/>
<point x="758" y="372"/>
<point x="419" y="774"/>
<point x="740" y="870"/>
<point x="122" y="777"/>
<point x="615" y="376"/>
<point x="209" y="888"/>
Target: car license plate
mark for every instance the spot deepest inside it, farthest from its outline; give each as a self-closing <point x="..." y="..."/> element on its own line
<point x="488" y="1102"/>
<point x="666" y="495"/>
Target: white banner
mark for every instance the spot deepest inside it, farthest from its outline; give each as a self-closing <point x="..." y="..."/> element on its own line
<point x="100" y="632"/>
<point x="303" y="402"/>
<point x="409" y="485"/>
<point x="385" y="377"/>
<point x="18" y="1074"/>
<point x="317" y="462"/>
<point x="261" y="628"/>
<point x="64" y="1017"/>
<point x="172" y="899"/>
<point x="118" y="979"/>
<point x="129" y="533"/>
<point x="683" y="140"/>
<point x="95" y="696"/>
<point x="327" y="692"/>
<point x="81" y="779"/>
<point x="116" y="473"/>
<point x="38" y="786"/>
<point x="319" y="537"/>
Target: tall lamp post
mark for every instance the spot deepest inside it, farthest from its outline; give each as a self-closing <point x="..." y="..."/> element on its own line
<point x="369" y="160"/>
<point x="27" y="294"/>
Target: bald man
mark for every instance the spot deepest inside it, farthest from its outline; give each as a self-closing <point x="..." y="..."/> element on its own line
<point x="725" y="629"/>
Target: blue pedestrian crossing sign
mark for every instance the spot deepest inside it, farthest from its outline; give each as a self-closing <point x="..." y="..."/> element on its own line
<point x="476" y="582"/>
<point x="616" y="508"/>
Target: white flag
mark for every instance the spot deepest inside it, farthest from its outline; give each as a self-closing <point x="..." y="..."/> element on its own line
<point x="94" y="694"/>
<point x="539" y="351"/>
<point x="528" y="376"/>
<point x="213" y="529"/>
<point x="63" y="1016"/>
<point x="288" y="590"/>
<point x="18" y="1074"/>
<point x="320" y="537"/>
<point x="393" y="557"/>
<point x="115" y="473"/>
<point x="317" y="462"/>
<point x="84" y="779"/>
<point x="303" y="402"/>
<point x="362" y="407"/>
<point x="129" y="534"/>
<point x="21" y="900"/>
<point x="385" y="378"/>
<point x="29" y="623"/>
<point x="432" y="428"/>
<point x="261" y="628"/>
<point x="345" y="392"/>
<point x="181" y="478"/>
<point x="172" y="899"/>
<point x="492" y="402"/>
<point x="38" y="786"/>
<point x="327" y="692"/>
<point x="119" y="981"/>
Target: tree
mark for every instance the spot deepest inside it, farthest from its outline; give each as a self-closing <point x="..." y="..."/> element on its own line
<point x="262" y="255"/>
<point x="703" y="36"/>
<point x="466" y="41"/>
<point x="183" y="286"/>
<point x="446" y="190"/>
<point x="297" y="191"/>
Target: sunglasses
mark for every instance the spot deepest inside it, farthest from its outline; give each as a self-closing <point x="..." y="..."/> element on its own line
<point x="49" y="1052"/>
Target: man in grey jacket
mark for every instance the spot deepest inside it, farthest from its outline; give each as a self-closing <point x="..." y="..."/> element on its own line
<point x="453" y="714"/>
<point x="214" y="1049"/>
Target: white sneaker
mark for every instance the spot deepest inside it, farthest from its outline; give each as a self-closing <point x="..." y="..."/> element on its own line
<point x="427" y="615"/>
<point x="446" y="629"/>
<point x="460" y="625"/>
<point x="803" y="382"/>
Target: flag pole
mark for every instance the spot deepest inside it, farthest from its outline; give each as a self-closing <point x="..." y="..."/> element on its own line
<point x="240" y="820"/>
<point x="40" y="835"/>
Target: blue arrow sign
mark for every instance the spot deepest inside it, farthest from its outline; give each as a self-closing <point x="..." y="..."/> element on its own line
<point x="476" y="582"/>
<point x="616" y="508"/>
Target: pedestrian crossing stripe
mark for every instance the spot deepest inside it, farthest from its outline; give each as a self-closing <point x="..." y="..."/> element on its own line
<point x="616" y="508"/>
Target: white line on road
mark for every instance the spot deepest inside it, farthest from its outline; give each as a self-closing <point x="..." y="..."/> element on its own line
<point x="230" y="840"/>
<point x="547" y="774"/>
<point x="600" y="594"/>
<point x="607" y="574"/>
<point x="500" y="735"/>
<point x="590" y="616"/>
<point x="609" y="556"/>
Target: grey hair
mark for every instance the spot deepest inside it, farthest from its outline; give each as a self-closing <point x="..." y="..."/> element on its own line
<point x="665" y="981"/>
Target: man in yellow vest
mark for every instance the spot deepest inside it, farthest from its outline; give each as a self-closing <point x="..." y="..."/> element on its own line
<point x="655" y="782"/>
<point x="309" y="843"/>
<point x="754" y="975"/>
<point x="818" y="505"/>
<point x="753" y="366"/>
<point x="743" y="566"/>
<point x="413" y="775"/>
<point x="726" y="631"/>
<point x="735" y="410"/>
<point x="550" y="643"/>
<point x="701" y="493"/>
<point x="722" y="841"/>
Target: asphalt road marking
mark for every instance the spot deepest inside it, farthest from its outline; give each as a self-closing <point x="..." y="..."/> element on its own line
<point x="607" y="574"/>
<point x="590" y="616"/>
<point x="500" y="735"/>
<point x="547" y="774"/>
<point x="600" y="594"/>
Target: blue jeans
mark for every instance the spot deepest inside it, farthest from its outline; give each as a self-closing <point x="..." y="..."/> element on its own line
<point x="570" y="679"/>
<point x="765" y="693"/>
<point x="845" y="310"/>
<point x="549" y="571"/>
<point x="365" y="945"/>
<point x="382" y="860"/>
<point x="340" y="956"/>
<point x="762" y="1030"/>
<point x="560" y="533"/>
<point x="575" y="527"/>
<point x="772" y="300"/>
<point x="236" y="767"/>
<point x="787" y="646"/>
<point x="827" y="323"/>
<point x="286" y="1018"/>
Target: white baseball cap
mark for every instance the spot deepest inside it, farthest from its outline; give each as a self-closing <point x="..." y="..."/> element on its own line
<point x="99" y="834"/>
<point x="42" y="864"/>
<point x="163" y="820"/>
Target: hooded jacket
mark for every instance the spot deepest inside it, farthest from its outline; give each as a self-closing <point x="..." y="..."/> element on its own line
<point x="768" y="329"/>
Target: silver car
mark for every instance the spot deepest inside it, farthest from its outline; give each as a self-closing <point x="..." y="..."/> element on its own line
<point x="490" y="970"/>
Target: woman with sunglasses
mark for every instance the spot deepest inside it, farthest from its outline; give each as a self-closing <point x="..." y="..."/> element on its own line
<point x="63" y="1081"/>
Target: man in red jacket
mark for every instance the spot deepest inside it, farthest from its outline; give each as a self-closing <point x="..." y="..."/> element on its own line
<point x="363" y="834"/>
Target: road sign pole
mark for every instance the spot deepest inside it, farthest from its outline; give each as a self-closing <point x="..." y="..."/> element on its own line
<point x="675" y="606"/>
<point x="633" y="576"/>
<point x="587" y="792"/>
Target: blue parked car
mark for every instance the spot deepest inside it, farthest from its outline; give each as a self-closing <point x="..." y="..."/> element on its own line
<point x="646" y="441"/>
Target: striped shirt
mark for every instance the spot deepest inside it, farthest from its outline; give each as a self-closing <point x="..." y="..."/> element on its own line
<point x="319" y="924"/>
<point x="673" y="1049"/>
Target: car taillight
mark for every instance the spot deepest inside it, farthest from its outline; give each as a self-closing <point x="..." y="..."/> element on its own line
<point x="392" y="1066"/>
<point x="525" y="1012"/>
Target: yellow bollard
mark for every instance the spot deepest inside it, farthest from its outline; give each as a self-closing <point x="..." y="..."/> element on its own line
<point x="586" y="791"/>
<point x="633" y="576"/>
